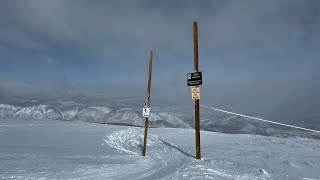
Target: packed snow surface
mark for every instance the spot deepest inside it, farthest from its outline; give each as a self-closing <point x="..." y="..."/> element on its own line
<point x="51" y="149"/>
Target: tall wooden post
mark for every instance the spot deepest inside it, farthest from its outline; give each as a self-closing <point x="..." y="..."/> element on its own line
<point x="196" y="102"/>
<point x="147" y="104"/>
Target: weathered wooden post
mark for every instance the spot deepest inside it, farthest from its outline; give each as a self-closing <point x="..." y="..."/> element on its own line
<point x="195" y="80"/>
<point x="146" y="108"/>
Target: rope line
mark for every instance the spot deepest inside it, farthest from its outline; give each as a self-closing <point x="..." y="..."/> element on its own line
<point x="259" y="119"/>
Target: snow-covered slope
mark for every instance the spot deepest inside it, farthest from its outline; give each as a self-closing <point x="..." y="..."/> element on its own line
<point x="57" y="112"/>
<point x="38" y="111"/>
<point x="8" y="110"/>
<point x="43" y="149"/>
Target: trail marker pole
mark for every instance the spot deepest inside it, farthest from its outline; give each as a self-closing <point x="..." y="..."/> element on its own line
<point x="146" y="109"/>
<point x="196" y="101"/>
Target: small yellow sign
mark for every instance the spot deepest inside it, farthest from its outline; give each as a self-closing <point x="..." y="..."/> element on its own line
<point x="195" y="92"/>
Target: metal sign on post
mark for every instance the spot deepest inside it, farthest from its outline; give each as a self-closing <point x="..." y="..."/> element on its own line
<point x="146" y="112"/>
<point x="195" y="92"/>
<point x="194" y="79"/>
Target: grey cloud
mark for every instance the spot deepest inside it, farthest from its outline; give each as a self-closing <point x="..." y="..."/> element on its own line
<point x="100" y="25"/>
<point x="19" y="39"/>
<point x="13" y="90"/>
<point x="3" y="49"/>
<point x="266" y="28"/>
<point x="49" y="59"/>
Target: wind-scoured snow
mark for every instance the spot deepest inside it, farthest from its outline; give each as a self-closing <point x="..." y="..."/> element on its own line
<point x="47" y="149"/>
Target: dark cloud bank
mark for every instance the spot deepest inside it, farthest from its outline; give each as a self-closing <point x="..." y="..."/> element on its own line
<point x="256" y="56"/>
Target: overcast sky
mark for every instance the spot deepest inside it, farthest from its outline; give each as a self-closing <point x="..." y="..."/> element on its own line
<point x="258" y="52"/>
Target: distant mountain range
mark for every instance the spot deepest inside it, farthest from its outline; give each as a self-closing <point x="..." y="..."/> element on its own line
<point x="128" y="111"/>
<point x="114" y="114"/>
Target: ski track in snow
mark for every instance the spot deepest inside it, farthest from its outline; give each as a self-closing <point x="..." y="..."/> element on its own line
<point x="66" y="150"/>
<point x="158" y="157"/>
<point x="164" y="160"/>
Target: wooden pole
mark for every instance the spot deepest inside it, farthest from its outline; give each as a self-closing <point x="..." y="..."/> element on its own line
<point x="147" y="104"/>
<point x="196" y="102"/>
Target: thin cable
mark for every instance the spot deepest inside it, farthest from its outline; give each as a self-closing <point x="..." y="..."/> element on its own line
<point x="259" y="119"/>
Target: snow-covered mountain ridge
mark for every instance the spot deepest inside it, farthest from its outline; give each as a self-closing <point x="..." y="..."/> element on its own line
<point x="96" y="114"/>
<point x="163" y="114"/>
